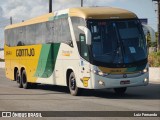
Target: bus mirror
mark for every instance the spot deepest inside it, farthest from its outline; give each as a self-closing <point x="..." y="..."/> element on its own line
<point x="87" y="34"/>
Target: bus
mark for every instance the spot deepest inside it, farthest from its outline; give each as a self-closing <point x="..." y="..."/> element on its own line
<point x="82" y="48"/>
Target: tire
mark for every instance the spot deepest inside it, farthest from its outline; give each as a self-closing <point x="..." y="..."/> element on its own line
<point x="120" y="91"/>
<point x="74" y="90"/>
<point x="18" y="80"/>
<point x="25" y="84"/>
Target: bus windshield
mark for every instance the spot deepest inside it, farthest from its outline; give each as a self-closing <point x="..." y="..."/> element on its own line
<point x="117" y="41"/>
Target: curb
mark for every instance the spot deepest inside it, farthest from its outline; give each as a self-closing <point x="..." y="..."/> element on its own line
<point x="154" y="74"/>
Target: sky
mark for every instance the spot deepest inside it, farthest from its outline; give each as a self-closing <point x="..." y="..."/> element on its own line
<point x="26" y="9"/>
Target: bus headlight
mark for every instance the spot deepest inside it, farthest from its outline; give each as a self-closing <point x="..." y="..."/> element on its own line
<point x="99" y="73"/>
<point x="95" y="71"/>
<point x="145" y="70"/>
<point x="146" y="80"/>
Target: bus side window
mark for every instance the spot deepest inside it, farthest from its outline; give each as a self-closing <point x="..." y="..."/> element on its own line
<point x="62" y="32"/>
<point x="83" y="47"/>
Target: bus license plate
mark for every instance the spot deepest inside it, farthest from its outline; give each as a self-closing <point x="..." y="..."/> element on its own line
<point x="123" y="82"/>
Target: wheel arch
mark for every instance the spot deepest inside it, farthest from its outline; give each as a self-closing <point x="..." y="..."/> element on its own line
<point x="68" y="72"/>
<point x="22" y="68"/>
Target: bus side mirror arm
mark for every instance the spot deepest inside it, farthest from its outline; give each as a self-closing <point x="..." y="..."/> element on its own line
<point x="87" y="34"/>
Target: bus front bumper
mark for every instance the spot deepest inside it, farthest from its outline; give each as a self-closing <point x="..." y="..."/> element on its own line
<point x="100" y="82"/>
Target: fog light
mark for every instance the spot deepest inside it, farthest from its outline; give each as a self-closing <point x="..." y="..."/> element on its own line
<point x="145" y="80"/>
<point x="101" y="82"/>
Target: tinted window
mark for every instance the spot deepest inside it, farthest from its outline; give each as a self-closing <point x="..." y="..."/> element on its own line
<point x="62" y="31"/>
<point x="56" y="31"/>
<point x="77" y="22"/>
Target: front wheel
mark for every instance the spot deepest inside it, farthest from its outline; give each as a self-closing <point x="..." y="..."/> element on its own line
<point x="74" y="90"/>
<point x="120" y="91"/>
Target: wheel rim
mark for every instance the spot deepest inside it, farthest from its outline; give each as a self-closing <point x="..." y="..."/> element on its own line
<point x="73" y="83"/>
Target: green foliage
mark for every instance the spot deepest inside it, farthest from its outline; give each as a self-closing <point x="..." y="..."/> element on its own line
<point x="149" y="43"/>
<point x="148" y="38"/>
<point x="154" y="59"/>
<point x="153" y="44"/>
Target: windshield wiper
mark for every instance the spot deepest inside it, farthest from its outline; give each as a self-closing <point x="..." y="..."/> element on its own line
<point x="107" y="53"/>
<point x="116" y="52"/>
<point x="118" y="49"/>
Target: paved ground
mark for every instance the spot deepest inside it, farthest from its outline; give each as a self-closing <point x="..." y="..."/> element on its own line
<point x="2" y="65"/>
<point x="54" y="98"/>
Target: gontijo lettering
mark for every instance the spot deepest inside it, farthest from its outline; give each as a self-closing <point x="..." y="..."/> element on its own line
<point x="25" y="52"/>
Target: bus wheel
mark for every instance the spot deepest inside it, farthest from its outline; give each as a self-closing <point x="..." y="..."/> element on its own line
<point x="120" y="91"/>
<point x="74" y="90"/>
<point x="18" y="80"/>
<point x="25" y="84"/>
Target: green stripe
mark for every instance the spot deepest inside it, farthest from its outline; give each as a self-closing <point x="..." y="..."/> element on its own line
<point x="47" y="60"/>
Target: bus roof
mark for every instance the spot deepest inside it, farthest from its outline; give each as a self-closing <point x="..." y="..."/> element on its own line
<point x="83" y="12"/>
<point x="35" y="20"/>
<point x="101" y="13"/>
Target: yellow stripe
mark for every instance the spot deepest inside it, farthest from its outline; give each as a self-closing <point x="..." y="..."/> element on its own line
<point x="113" y="70"/>
<point x="28" y="62"/>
